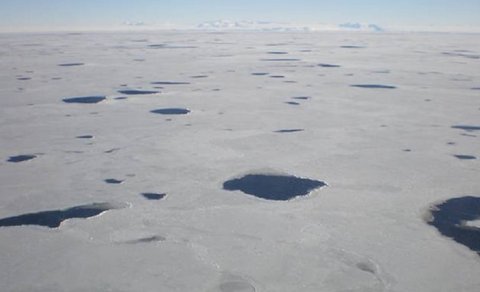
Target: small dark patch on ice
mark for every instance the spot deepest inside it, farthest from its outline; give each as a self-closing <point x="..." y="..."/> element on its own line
<point x="352" y="47"/>
<point x="381" y="71"/>
<point x="70" y="64"/>
<point x="260" y="74"/>
<point x="121" y="98"/>
<point x="171" y="111"/>
<point x="329" y="65"/>
<point x="167" y="46"/>
<point x="85" y="137"/>
<point x="112" y="150"/>
<point x="170" y="83"/>
<point x="276" y="44"/>
<point x="113" y="181"/>
<point x="277" y="53"/>
<point x="450" y="218"/>
<point x="273" y="187"/>
<point x="149" y="239"/>
<point x="407" y="150"/>
<point x="277" y="76"/>
<point x="289" y="130"/>
<point x="292" y="103"/>
<point x="21" y="158"/>
<point x="137" y="91"/>
<point x="53" y="219"/>
<point x="374" y="86"/>
<point x="85" y="99"/>
<point x="154" y="196"/>
<point x="465" y="157"/>
<point x="301" y="97"/>
<point x="24" y="78"/>
<point x="475" y="88"/>
<point x="198" y="76"/>
<point x="366" y="267"/>
<point x="467" y="128"/>
<point x="464" y="54"/>
<point x="451" y="143"/>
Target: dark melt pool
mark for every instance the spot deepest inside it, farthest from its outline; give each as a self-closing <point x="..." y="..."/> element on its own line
<point x="467" y="128"/>
<point x="273" y="187"/>
<point x="352" y="47"/>
<point x="301" y="97"/>
<point x="85" y="99"/>
<point x="54" y="218"/>
<point x="329" y="65"/>
<point x="465" y="157"/>
<point x="85" y="137"/>
<point x="113" y="181"/>
<point x="289" y="130"/>
<point x="450" y="218"/>
<point x="375" y="86"/>
<point x="137" y="91"/>
<point x="70" y="64"/>
<point x="171" y="111"/>
<point x="292" y="103"/>
<point x="260" y="74"/>
<point x="154" y="196"/>
<point x="20" y="158"/>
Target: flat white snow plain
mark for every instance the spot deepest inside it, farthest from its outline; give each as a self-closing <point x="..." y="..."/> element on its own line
<point x="387" y="155"/>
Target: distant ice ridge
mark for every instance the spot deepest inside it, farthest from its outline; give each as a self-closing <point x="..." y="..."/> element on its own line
<point x="355" y="26"/>
<point x="250" y="25"/>
<point x="282" y="26"/>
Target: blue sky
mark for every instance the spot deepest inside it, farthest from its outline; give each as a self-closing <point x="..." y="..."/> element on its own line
<point x="27" y="13"/>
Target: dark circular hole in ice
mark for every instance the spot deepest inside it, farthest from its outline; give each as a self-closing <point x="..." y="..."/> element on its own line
<point x="273" y="187"/>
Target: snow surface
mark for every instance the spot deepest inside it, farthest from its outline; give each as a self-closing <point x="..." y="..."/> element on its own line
<point x="386" y="155"/>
